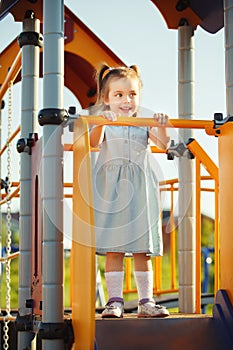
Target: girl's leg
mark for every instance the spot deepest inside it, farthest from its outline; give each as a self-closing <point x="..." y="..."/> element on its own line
<point x="114" y="276"/>
<point x="142" y="262"/>
<point x="144" y="280"/>
<point x="114" y="262"/>
<point x="143" y="276"/>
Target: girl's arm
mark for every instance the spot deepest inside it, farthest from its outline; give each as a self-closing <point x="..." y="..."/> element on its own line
<point x="159" y="135"/>
<point x="97" y="133"/>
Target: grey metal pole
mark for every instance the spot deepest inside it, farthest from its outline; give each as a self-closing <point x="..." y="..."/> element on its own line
<point x="50" y="117"/>
<point x="30" y="43"/>
<point x="186" y="234"/>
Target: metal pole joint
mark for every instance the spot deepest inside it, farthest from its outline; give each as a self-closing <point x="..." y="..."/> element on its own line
<point x="30" y="38"/>
<point x="26" y="144"/>
<point x="24" y="323"/>
<point x="220" y="121"/>
<point x="179" y="150"/>
<point x="56" y="330"/>
<point x="52" y="116"/>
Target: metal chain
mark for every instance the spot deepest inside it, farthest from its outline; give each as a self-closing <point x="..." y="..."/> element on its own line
<point x="8" y="238"/>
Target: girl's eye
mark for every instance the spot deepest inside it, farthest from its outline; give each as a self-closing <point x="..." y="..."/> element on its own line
<point x="133" y="94"/>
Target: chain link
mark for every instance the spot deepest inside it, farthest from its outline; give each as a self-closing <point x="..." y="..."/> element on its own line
<point x="8" y="238"/>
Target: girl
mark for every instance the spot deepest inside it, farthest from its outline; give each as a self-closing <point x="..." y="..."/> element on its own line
<point x="127" y="214"/>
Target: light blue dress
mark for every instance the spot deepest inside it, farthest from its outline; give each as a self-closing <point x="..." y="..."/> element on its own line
<point x="126" y="194"/>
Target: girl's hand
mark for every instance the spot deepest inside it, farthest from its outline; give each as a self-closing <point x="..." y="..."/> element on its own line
<point x="109" y="115"/>
<point x="161" y="118"/>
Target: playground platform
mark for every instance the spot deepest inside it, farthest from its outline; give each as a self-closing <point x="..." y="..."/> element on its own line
<point x="178" y="331"/>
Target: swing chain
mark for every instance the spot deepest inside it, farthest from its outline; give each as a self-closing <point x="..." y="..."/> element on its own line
<point x="8" y="240"/>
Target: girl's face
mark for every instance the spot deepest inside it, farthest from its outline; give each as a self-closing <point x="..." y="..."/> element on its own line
<point x="123" y="96"/>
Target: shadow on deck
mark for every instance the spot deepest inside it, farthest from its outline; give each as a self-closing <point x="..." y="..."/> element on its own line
<point x="178" y="331"/>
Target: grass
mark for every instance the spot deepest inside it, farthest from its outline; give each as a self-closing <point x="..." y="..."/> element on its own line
<point x="165" y="284"/>
<point x="14" y="281"/>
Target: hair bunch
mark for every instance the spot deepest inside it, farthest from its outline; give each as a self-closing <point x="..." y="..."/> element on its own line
<point x="106" y="73"/>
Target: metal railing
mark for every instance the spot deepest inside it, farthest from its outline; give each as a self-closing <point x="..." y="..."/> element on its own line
<point x="201" y="158"/>
<point x="171" y="186"/>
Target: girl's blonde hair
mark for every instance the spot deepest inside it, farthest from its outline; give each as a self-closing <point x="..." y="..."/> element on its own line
<point x="105" y="74"/>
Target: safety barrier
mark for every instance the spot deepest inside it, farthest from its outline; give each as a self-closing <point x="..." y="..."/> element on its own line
<point x="172" y="187"/>
<point x="201" y="159"/>
<point x="87" y="251"/>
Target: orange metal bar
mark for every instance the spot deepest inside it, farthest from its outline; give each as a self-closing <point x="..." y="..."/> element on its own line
<point x="15" y="133"/>
<point x="173" y="123"/>
<point x="155" y="149"/>
<point x="68" y="184"/>
<point x="157" y="274"/>
<point x="225" y="146"/>
<point x="10" y="257"/>
<point x="7" y="318"/>
<point x="216" y="240"/>
<point x="207" y="162"/>
<point x="128" y="271"/>
<point x="7" y="198"/>
<point x="166" y="291"/>
<point x="168" y="182"/>
<point x="68" y="195"/>
<point x="198" y="238"/>
<point x="83" y="243"/>
<point x="69" y="147"/>
<point x="172" y="241"/>
<point x="12" y="74"/>
<point x="207" y="189"/>
<point x="206" y="177"/>
<point x="202" y="157"/>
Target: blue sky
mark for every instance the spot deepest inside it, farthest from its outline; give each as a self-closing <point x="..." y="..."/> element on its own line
<point x="137" y="33"/>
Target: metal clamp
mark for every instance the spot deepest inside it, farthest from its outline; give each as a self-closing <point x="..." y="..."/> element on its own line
<point x="5" y="184"/>
<point x="61" y="330"/>
<point x="24" y="323"/>
<point x="30" y="38"/>
<point x="52" y="116"/>
<point x="26" y="144"/>
<point x="178" y="150"/>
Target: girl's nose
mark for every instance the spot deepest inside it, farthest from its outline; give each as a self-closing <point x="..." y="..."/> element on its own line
<point x="127" y="98"/>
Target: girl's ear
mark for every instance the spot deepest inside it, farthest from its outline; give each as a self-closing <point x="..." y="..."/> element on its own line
<point x="105" y="99"/>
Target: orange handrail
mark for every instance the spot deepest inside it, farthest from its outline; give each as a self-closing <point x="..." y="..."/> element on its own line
<point x="207" y="125"/>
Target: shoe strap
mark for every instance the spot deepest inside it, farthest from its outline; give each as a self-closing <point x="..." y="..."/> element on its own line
<point x="146" y="300"/>
<point x="117" y="299"/>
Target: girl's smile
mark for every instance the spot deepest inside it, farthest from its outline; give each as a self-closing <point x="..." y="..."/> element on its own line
<point x="123" y="96"/>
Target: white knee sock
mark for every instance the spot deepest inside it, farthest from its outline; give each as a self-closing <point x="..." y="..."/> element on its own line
<point x="114" y="283"/>
<point x="144" y="282"/>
